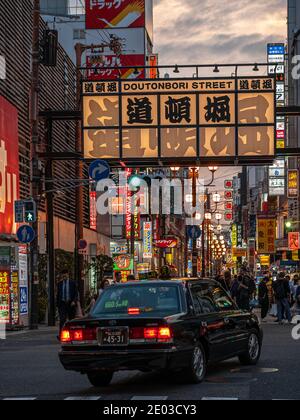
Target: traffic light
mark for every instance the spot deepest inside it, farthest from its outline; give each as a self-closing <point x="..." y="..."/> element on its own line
<point x="30" y="211"/>
<point x="49" y="48"/>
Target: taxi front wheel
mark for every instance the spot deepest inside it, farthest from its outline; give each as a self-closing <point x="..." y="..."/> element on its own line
<point x="100" y="379"/>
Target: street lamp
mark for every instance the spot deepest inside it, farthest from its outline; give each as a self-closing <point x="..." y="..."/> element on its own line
<point x="208" y="216"/>
<point x="218" y="216"/>
<point x="216" y="198"/>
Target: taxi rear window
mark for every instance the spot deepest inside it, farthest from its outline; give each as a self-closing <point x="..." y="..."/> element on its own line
<point x="150" y="300"/>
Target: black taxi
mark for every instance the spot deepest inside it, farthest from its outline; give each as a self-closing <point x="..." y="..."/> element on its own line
<point x="174" y="326"/>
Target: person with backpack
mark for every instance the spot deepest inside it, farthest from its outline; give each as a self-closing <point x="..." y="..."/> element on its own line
<point x="282" y="295"/>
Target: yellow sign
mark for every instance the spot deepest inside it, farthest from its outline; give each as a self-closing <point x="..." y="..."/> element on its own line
<point x="266" y="235"/>
<point x="265" y="260"/>
<point x="234" y="235"/>
<point x="179" y="119"/>
<point x="239" y="252"/>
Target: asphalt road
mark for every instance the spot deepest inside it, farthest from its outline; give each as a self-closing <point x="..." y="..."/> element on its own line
<point x="29" y="368"/>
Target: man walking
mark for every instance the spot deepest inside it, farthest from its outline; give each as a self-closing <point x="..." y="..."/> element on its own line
<point x="67" y="297"/>
<point x="282" y="295"/>
<point x="263" y="297"/>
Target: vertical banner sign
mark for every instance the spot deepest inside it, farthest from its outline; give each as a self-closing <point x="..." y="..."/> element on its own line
<point x="14" y="300"/>
<point x="234" y="235"/>
<point x="276" y="54"/>
<point x="115" y="14"/>
<point x="23" y="280"/>
<point x="266" y="235"/>
<point x="294" y="241"/>
<point x="239" y="235"/>
<point x="9" y="165"/>
<point x="147" y="240"/>
<point x="4" y="297"/>
<point x="293" y="183"/>
<point x="93" y="210"/>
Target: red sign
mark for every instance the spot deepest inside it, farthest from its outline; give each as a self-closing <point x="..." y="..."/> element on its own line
<point x="294" y="241"/>
<point x="166" y="243"/>
<point x="93" y="210"/>
<point x="229" y="206"/>
<point x="228" y="195"/>
<point x="280" y="134"/>
<point x="9" y="165"/>
<point x="112" y="14"/>
<point x="228" y="216"/>
<point x="228" y="185"/>
<point x="99" y="63"/>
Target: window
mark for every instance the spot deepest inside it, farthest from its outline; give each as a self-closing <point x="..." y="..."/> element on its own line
<point x="79" y="34"/>
<point x="222" y="300"/>
<point x="203" y="299"/>
<point x="151" y="300"/>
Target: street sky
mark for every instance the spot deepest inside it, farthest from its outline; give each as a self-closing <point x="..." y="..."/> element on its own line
<point x="217" y="31"/>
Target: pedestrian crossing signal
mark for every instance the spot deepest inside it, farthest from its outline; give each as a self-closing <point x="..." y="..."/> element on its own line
<point x="30" y="212"/>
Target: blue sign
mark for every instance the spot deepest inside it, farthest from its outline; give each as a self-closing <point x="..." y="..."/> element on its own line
<point x="99" y="170"/>
<point x="23" y="300"/>
<point x="194" y="232"/>
<point x="26" y="234"/>
<point x="276" y="49"/>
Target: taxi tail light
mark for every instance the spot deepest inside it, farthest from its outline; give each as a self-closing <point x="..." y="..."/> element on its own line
<point x="134" y="311"/>
<point x="65" y="336"/>
<point x="78" y="335"/>
<point x="160" y="334"/>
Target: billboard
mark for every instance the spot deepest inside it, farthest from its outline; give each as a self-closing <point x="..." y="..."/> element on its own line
<point x="99" y="66"/>
<point x="293" y="183"/>
<point x="112" y="14"/>
<point x="9" y="165"/>
<point x="266" y="235"/>
<point x="224" y="119"/>
<point x="294" y="241"/>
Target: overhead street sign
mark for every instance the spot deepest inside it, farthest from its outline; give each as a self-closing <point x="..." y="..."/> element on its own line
<point x="98" y="170"/>
<point x="180" y="120"/>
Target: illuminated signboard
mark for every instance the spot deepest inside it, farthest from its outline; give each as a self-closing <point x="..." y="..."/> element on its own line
<point x="185" y="120"/>
<point x="111" y="14"/>
<point x="266" y="235"/>
<point x="294" y="241"/>
<point x="148" y="250"/>
<point x="4" y="297"/>
<point x="293" y="183"/>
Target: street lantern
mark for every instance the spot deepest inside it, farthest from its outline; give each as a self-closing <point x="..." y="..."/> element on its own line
<point x="213" y="169"/>
<point x="208" y="216"/>
<point x="216" y="198"/>
<point x="219" y="228"/>
<point x="218" y="216"/>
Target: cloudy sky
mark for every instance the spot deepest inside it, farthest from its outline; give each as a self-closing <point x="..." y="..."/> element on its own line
<point x="210" y="31"/>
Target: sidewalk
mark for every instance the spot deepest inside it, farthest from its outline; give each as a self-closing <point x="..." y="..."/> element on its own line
<point x="42" y="329"/>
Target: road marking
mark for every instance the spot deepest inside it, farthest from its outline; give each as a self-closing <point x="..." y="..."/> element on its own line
<point x="219" y="399"/>
<point x="20" y="399"/>
<point x="145" y="398"/>
<point x="83" y="398"/>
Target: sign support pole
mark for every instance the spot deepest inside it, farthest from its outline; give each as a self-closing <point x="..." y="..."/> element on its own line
<point x="35" y="175"/>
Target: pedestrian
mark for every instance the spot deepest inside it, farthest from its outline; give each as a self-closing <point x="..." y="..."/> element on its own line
<point x="234" y="291"/>
<point x="92" y="303"/>
<point x="118" y="277"/>
<point x="245" y="292"/>
<point x="104" y="285"/>
<point x="131" y="277"/>
<point x="67" y="298"/>
<point x="282" y="295"/>
<point x="263" y="297"/>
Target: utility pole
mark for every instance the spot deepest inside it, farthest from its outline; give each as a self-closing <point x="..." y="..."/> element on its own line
<point x="50" y="227"/>
<point x="35" y="170"/>
<point x="194" y="193"/>
<point x="116" y="46"/>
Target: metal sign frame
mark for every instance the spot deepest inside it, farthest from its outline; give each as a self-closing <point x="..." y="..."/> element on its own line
<point x="185" y="161"/>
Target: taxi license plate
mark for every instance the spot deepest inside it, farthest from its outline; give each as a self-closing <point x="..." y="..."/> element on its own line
<point x="113" y="336"/>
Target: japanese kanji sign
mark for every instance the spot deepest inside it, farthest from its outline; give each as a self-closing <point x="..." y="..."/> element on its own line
<point x="266" y="235"/>
<point x="193" y="119"/>
<point x="111" y="14"/>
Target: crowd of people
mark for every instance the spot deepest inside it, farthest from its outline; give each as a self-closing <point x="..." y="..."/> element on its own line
<point x="275" y="296"/>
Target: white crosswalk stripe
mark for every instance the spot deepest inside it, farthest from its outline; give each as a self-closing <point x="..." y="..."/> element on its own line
<point x="91" y="398"/>
<point x="147" y="398"/>
<point x="20" y="399"/>
<point x="218" y="399"/>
